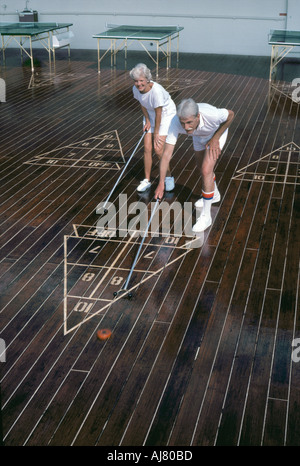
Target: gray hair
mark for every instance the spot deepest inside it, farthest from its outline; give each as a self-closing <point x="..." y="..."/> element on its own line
<point x="140" y="70"/>
<point x="187" y="108"/>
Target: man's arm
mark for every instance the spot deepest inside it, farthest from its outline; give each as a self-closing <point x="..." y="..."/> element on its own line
<point x="213" y="145"/>
<point x="163" y="167"/>
<point x="225" y="125"/>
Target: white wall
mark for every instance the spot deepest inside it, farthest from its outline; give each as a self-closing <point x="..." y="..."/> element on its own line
<point x="210" y="26"/>
<point x="293" y="21"/>
<point x="293" y="15"/>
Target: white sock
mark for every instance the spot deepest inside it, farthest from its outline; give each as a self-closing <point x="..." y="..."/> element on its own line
<point x="207" y="202"/>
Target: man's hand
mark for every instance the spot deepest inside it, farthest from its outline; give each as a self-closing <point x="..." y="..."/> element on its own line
<point x="213" y="147"/>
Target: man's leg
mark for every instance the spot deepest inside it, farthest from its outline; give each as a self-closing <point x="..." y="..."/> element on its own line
<point x="208" y="189"/>
<point x="199" y="157"/>
<point x="210" y="192"/>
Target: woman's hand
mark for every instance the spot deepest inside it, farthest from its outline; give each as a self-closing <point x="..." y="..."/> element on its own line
<point x="147" y="125"/>
<point x="157" y="141"/>
<point x="159" y="192"/>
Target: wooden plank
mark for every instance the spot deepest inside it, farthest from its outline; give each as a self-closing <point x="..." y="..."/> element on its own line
<point x="136" y="431"/>
<point x="165" y="418"/>
<point x="275" y="423"/>
<point x="238" y="425"/>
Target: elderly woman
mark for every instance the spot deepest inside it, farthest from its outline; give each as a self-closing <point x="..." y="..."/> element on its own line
<point x="158" y="110"/>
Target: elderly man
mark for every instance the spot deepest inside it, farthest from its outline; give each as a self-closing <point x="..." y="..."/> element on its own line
<point x="208" y="126"/>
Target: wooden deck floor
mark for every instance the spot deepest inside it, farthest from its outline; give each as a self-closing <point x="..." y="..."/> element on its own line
<point x="202" y="355"/>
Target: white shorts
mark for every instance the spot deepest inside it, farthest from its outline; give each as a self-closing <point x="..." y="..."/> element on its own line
<point x="200" y="143"/>
<point x="166" y="119"/>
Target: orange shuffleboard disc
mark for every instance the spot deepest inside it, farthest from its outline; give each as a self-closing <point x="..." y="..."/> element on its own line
<point x="103" y="334"/>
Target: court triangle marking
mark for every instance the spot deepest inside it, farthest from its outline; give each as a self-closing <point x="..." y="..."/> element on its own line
<point x="282" y="165"/>
<point x="99" y="152"/>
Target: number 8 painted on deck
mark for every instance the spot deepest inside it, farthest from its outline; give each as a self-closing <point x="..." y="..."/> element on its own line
<point x="116" y="280"/>
<point x="87" y="277"/>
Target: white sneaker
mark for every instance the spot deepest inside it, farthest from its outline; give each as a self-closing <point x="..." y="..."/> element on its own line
<point x="216" y="198"/>
<point x="143" y="186"/>
<point x="202" y="223"/>
<point x="169" y="183"/>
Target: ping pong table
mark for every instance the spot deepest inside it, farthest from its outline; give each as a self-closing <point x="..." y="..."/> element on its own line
<point x="24" y="32"/>
<point x="123" y="35"/>
<point x="282" y="42"/>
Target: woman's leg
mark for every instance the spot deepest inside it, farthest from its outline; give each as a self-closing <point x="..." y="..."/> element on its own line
<point x="148" y="155"/>
<point x="159" y="151"/>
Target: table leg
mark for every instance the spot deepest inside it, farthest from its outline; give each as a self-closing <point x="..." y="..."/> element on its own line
<point x="98" y="51"/>
<point x="31" y="55"/>
<point x="3" y="48"/>
<point x="49" y="50"/>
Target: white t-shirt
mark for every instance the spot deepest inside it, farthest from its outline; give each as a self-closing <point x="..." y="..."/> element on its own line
<point x="210" y="120"/>
<point x="156" y="97"/>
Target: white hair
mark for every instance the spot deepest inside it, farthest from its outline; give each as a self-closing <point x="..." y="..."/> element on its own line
<point x="140" y="70"/>
<point x="187" y="108"/>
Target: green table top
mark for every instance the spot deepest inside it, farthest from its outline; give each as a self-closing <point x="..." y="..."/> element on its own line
<point x="284" y="37"/>
<point x="29" y="29"/>
<point x="139" y="32"/>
